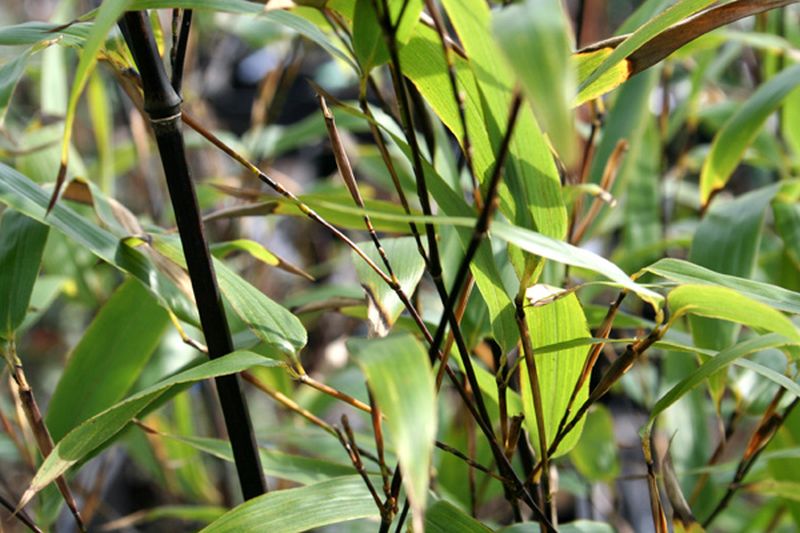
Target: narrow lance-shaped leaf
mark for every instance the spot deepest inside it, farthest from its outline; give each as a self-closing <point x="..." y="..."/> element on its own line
<point x="727" y="304"/>
<point x="714" y="364"/>
<point x="22" y="241"/>
<point x="732" y="140"/>
<point x="97" y="430"/>
<point x="107" y="16"/>
<point x="282" y="465"/>
<point x="108" y="359"/>
<point x="369" y="43"/>
<point x="595" y="455"/>
<point x="10" y="74"/>
<point x="303" y="509"/>
<point x="399" y="375"/>
<point x="685" y="272"/>
<point x="444" y="517"/>
<point x="647" y="31"/>
<point x="257" y="251"/>
<point x="727" y="240"/>
<point x="561" y="320"/>
<point x="19" y="192"/>
<point x="384" y="304"/>
<point x="535" y="39"/>
<point x="530" y="194"/>
<point x="269" y="321"/>
<point x="562" y="252"/>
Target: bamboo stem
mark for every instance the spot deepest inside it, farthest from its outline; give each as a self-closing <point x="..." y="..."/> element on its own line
<point x="163" y="106"/>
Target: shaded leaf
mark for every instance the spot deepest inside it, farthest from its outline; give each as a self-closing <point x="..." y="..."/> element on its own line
<point x="714" y="364"/>
<point x="22" y="241"/>
<point x="108" y="359"/>
<point x="732" y="140"/>
<point x="407" y="265"/>
<point x="595" y="455"/>
<point x="444" y="517"/>
<point x="10" y="74"/>
<point x="270" y="322"/>
<point x="106" y="17"/>
<point x="536" y="40"/>
<point x="97" y="430"/>
<point x="369" y="43"/>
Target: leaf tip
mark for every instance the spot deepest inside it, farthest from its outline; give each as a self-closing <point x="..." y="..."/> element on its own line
<point x="62" y="174"/>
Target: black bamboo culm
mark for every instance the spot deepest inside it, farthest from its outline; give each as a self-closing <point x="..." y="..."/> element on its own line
<point x="163" y="106"/>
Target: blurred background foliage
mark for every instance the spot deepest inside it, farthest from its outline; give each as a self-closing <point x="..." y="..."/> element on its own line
<point x="249" y="79"/>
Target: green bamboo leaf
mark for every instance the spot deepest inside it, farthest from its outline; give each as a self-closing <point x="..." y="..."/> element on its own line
<point x="20" y="193"/>
<point x="787" y="224"/>
<point x="243" y="7"/>
<point x="97" y="430"/>
<point x="368" y="40"/>
<point x="99" y="103"/>
<point x="407" y="264"/>
<point x="282" y="465"/>
<point x="257" y="251"/>
<point x="727" y="304"/>
<point x="444" y="517"/>
<point x="203" y="514"/>
<point x="685" y="272"/>
<point x="595" y="455"/>
<point x="714" y="364"/>
<point x="587" y="62"/>
<point x="559" y="321"/>
<point x="296" y="510"/>
<point x="399" y="375"/>
<point x="779" y="379"/>
<point x="727" y="241"/>
<point x="679" y="11"/>
<point x="530" y="194"/>
<point x="22" y="241"/>
<point x="106" y="17"/>
<point x="536" y="40"/>
<point x="28" y="33"/>
<point x="108" y="359"/>
<point x="10" y="73"/>
<point x="732" y="140"/>
<point x="269" y="321"/>
<point x="567" y="254"/>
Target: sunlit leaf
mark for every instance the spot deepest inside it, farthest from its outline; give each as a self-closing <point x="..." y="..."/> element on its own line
<point x="559" y="321"/>
<point x="727" y="304"/>
<point x="297" y="510"/>
<point x="685" y="272"/>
